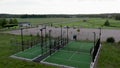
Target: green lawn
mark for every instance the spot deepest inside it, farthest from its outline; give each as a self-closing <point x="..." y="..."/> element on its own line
<point x="109" y="56"/>
<point x="76" y="22"/>
<point x="6" y="50"/>
<point x="45" y="20"/>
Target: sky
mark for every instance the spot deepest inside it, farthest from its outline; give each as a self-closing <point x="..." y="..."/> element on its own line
<point x="59" y="6"/>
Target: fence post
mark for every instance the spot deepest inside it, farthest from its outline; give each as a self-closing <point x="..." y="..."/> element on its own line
<point x="50" y="41"/>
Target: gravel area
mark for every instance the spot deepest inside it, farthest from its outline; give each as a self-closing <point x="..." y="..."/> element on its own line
<point x="84" y="34"/>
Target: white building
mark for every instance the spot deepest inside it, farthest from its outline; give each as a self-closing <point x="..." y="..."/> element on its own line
<point x="24" y="24"/>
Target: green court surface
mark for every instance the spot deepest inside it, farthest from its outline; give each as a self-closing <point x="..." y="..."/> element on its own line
<point x="75" y="54"/>
<point x="33" y="52"/>
<point x="79" y="46"/>
<point x="30" y="53"/>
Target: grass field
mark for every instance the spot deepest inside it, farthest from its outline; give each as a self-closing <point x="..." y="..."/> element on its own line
<point x="75" y="54"/>
<point x="90" y="23"/>
<point x="72" y="22"/>
<point x="109" y="56"/>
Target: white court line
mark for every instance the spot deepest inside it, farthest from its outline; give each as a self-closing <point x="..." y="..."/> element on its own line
<point x="21" y="58"/>
<point x="74" y="51"/>
<point x="59" y="65"/>
<point x="72" y="55"/>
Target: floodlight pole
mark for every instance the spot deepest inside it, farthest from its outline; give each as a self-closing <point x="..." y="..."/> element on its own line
<point x="100" y="33"/>
<point x="67" y="34"/>
<point x="61" y="31"/>
<point x="22" y="39"/>
<point x="41" y="40"/>
<point x="50" y="41"/>
<point x="45" y="38"/>
<point x="61" y="34"/>
<point x="31" y="39"/>
<point x="45" y="32"/>
<point x="94" y="37"/>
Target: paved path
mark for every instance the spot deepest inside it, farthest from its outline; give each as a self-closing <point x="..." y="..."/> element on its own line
<point x="84" y="34"/>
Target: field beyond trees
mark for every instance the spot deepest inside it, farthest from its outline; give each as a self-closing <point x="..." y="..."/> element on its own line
<point x="74" y="22"/>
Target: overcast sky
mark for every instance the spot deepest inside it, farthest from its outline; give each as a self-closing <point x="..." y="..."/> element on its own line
<point x="59" y="6"/>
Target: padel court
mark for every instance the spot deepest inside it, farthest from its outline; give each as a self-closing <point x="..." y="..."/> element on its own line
<point x="74" y="54"/>
<point x="30" y="53"/>
<point x="60" y="51"/>
<point x="33" y="52"/>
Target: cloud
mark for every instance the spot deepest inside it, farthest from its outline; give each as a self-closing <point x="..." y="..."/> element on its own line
<point x="59" y="6"/>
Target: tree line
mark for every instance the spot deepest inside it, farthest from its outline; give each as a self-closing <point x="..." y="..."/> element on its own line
<point x="8" y="22"/>
<point x="112" y="15"/>
<point x="117" y="17"/>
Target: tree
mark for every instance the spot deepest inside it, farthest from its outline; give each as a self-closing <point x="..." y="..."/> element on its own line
<point x="117" y="17"/>
<point x="3" y="22"/>
<point x="11" y="21"/>
<point x="0" y="23"/>
<point x="106" y="23"/>
<point x="78" y="30"/>
<point x="15" y="21"/>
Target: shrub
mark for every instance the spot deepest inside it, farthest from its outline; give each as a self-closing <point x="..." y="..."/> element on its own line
<point x="110" y="40"/>
<point x="106" y="23"/>
<point x="84" y="20"/>
<point x="78" y="30"/>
